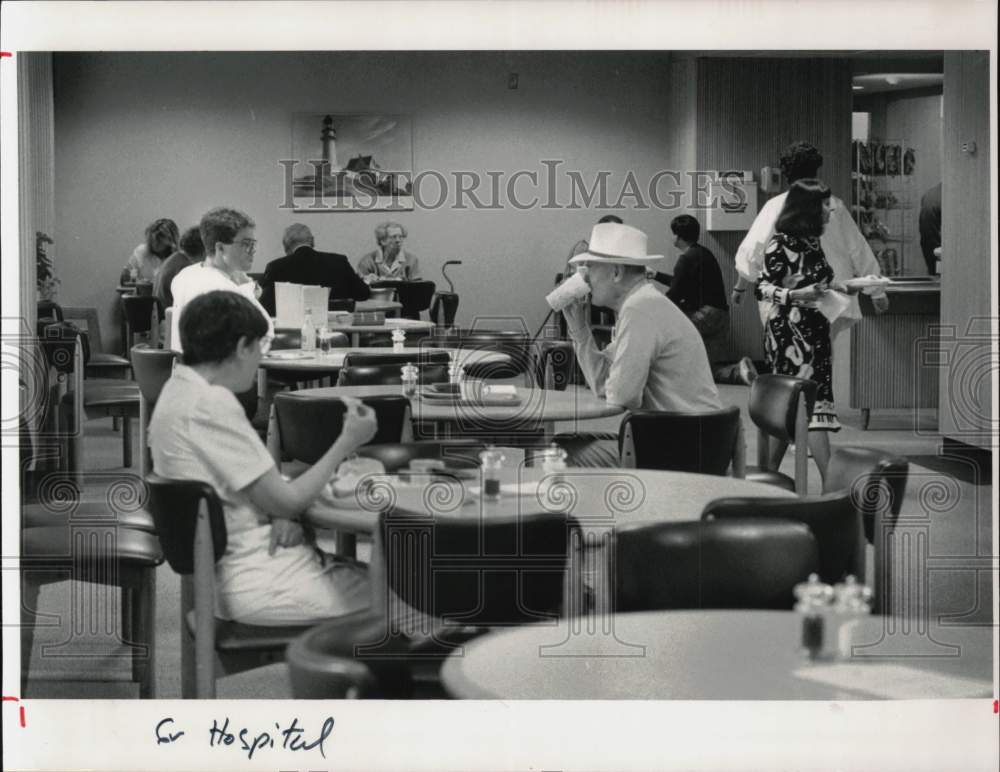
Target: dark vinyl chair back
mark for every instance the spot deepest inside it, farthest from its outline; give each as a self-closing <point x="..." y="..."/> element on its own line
<point x="780" y="406"/>
<point x="388" y="375"/>
<point x="876" y="481"/>
<point x="832" y="519"/>
<point x="341" y="304"/>
<point x="518" y="346"/>
<point x="739" y="563"/>
<point x="175" y="506"/>
<point x="139" y="312"/>
<point x="556" y="365"/>
<point x="415" y="297"/>
<point x="682" y="442"/>
<point x="416" y="357"/>
<point x="478" y="571"/>
<point x="50" y="310"/>
<point x="152" y="368"/>
<point x="454" y="454"/>
<point x="306" y="425"/>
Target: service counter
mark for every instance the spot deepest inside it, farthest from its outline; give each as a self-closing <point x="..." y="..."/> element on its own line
<point x="894" y="355"/>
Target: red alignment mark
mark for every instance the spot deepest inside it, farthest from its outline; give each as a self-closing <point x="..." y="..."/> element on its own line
<point x="21" y="711"/>
<point x="996" y="706"/>
<point x="6" y="53"/>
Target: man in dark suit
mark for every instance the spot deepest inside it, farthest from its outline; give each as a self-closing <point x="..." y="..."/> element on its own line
<point x="302" y="264"/>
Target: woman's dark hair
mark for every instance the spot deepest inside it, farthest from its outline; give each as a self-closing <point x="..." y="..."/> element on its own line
<point x="802" y="214"/>
<point x="162" y="237"/>
<point x="220" y="225"/>
<point x="191" y="244"/>
<point x="212" y="324"/>
<point x="800" y="161"/>
<point x="686" y="227"/>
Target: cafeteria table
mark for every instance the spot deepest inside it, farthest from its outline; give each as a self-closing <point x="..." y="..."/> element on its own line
<point x="316" y="362"/>
<point x="355" y="330"/>
<point x="722" y="655"/>
<point x="601" y="500"/>
<point x="528" y="422"/>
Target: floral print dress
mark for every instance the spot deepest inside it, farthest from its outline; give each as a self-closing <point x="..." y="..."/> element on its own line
<point x="797" y="337"/>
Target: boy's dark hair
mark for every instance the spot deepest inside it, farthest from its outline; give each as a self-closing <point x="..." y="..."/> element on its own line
<point x="191" y="244"/>
<point x="161" y="237"/>
<point x="801" y="160"/>
<point x="686" y="227"/>
<point x="212" y="324"/>
<point x="611" y="218"/>
<point x="220" y="225"/>
<point x="802" y="214"/>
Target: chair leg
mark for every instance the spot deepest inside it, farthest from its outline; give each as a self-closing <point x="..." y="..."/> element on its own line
<point x="188" y="684"/>
<point x="126" y="442"/>
<point x="29" y="605"/>
<point x="143" y="626"/>
<point x="115" y="423"/>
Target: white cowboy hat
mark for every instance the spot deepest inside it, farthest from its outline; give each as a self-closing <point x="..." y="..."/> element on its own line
<point x="612" y="242"/>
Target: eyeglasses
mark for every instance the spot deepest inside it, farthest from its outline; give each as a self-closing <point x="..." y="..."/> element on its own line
<point x="265" y="344"/>
<point x="395" y="237"/>
<point x="250" y="245"/>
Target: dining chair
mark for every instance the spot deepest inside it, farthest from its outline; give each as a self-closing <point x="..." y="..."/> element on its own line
<point x="341" y="304"/>
<point x="79" y="399"/>
<point x="415" y="297"/>
<point x="706" y="443"/>
<point x="780" y="406"/>
<point x="143" y="314"/>
<point x="419" y="357"/>
<point x="303" y="427"/>
<point x="100" y="364"/>
<point x="876" y="481"/>
<point x="152" y="368"/>
<point x="516" y="345"/>
<point x="388" y="375"/>
<point x="832" y="518"/>
<point x="94" y="548"/>
<point x="739" y="563"/>
<point x="192" y="531"/>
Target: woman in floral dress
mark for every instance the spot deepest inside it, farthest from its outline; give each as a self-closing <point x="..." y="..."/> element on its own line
<point x="797" y="334"/>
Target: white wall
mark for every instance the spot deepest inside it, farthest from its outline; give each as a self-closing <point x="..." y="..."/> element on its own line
<point x="141" y="136"/>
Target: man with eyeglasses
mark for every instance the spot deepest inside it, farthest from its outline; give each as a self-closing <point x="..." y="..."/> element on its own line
<point x="389" y="261"/>
<point x="228" y="236"/>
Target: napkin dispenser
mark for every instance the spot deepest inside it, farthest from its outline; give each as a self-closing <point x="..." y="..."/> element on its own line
<point x="292" y="300"/>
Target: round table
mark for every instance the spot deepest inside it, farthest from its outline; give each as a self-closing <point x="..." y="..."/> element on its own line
<point x="601" y="500"/>
<point x="719" y="655"/>
<point x="529" y="422"/>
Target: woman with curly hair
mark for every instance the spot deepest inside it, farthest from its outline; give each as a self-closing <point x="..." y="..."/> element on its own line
<point x="795" y="274"/>
<point x="162" y="237"/>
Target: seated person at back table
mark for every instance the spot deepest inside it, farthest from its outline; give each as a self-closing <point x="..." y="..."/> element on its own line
<point x="656" y="360"/>
<point x="697" y="290"/>
<point x="191" y="251"/>
<point x="268" y="574"/>
<point x="160" y="243"/>
<point x="389" y="262"/>
<point x="303" y="264"/>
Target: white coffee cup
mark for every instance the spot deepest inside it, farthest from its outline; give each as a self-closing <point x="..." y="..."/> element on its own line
<point x="574" y="288"/>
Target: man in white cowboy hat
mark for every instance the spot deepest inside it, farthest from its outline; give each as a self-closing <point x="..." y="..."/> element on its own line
<point x="656" y="359"/>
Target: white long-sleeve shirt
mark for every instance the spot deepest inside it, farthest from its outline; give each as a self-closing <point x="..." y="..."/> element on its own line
<point x="844" y="246"/>
<point x="656" y="359"/>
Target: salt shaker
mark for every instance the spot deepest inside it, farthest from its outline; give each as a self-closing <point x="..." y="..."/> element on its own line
<point x="492" y="465"/>
<point x="553" y="459"/>
<point x="409" y="373"/>
<point x="813" y="601"/>
<point x="852" y="602"/>
<point x="398" y="341"/>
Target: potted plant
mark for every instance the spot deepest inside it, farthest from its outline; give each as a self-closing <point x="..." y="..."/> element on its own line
<point x="45" y="277"/>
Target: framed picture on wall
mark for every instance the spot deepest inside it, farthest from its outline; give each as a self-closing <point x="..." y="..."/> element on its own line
<point x="350" y="163"/>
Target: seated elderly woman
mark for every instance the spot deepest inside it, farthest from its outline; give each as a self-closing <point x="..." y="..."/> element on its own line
<point x="268" y="574"/>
